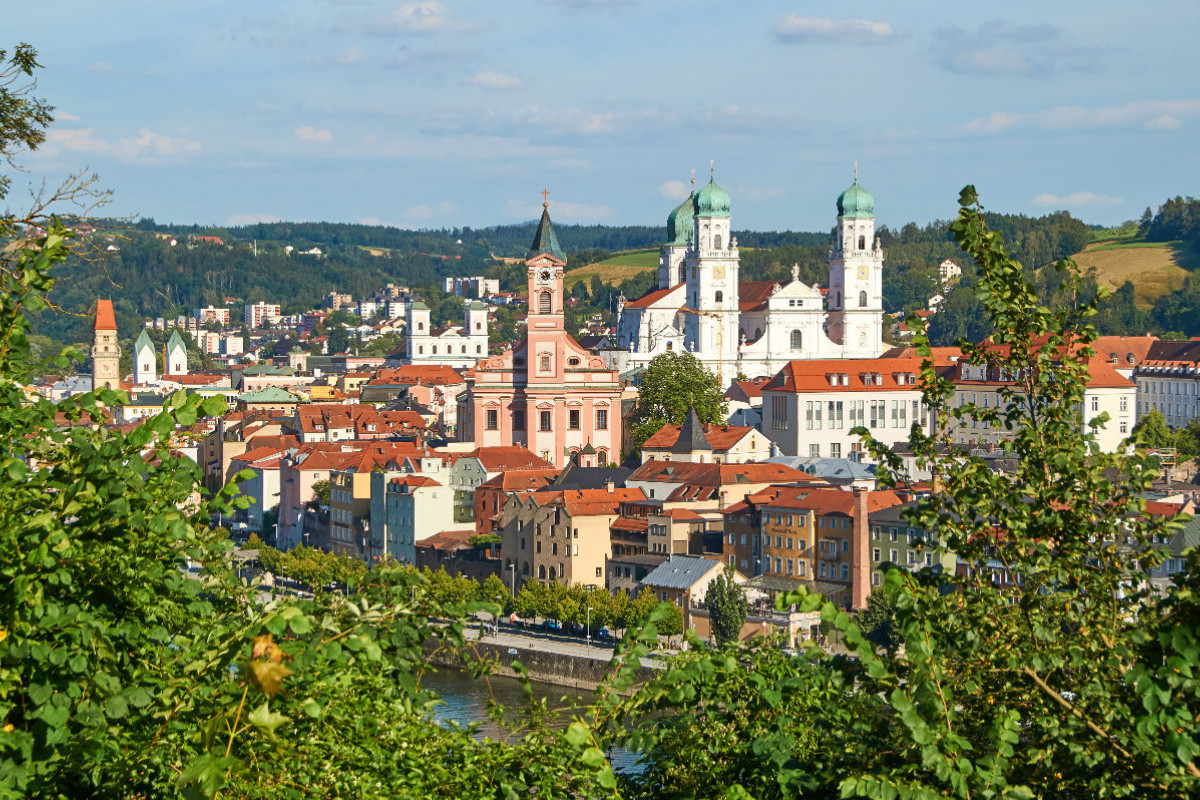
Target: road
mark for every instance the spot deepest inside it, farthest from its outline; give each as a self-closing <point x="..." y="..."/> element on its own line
<point x="531" y="639"/>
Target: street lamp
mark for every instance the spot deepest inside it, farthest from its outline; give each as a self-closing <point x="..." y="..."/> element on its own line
<point x="589" y="631"/>
<point x="513" y="567"/>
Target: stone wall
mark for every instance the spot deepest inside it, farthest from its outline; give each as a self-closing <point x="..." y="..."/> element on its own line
<point x="544" y="665"/>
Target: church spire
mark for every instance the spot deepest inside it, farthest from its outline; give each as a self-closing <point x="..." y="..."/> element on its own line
<point x="545" y="240"/>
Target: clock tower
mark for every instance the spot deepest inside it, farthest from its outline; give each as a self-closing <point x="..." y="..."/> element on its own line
<point x="544" y="265"/>
<point x="855" y="298"/>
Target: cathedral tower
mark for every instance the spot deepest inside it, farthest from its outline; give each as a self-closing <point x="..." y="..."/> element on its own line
<point x="106" y="353"/>
<point x="712" y="283"/>
<point x="855" y="296"/>
<point x="176" y="363"/>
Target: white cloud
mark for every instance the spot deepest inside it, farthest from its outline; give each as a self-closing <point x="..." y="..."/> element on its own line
<point x="427" y="17"/>
<point x="1151" y="114"/>
<point x="237" y="220"/>
<point x="672" y="190"/>
<point x="102" y="67"/>
<point x="1164" y="122"/>
<point x="307" y="133"/>
<point x="497" y="80"/>
<point x="1077" y="199"/>
<point x="370" y="221"/>
<point x="1002" y="48"/>
<point x="79" y="139"/>
<point x="155" y="145"/>
<point x="351" y="55"/>
<point x="794" y="28"/>
<point x="65" y="117"/>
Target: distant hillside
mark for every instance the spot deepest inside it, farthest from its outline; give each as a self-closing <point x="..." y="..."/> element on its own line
<point x="1155" y="268"/>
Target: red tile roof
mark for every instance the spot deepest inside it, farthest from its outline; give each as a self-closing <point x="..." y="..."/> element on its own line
<point x="521" y="479"/>
<point x="105" y="319"/>
<point x="503" y="458"/>
<point x="752" y="294"/>
<point x="833" y="501"/>
<point x="650" y="298"/>
<point x="720" y="438"/>
<point x="852" y="375"/>
<point x="711" y="475"/>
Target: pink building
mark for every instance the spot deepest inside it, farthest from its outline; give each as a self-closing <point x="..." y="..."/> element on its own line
<point x="547" y="393"/>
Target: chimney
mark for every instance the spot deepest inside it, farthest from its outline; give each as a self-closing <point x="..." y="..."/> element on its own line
<point x="608" y="486"/>
<point x="860" y="551"/>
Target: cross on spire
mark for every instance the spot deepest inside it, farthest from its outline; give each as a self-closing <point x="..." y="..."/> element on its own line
<point x="711" y="169"/>
<point x="856" y="172"/>
<point x="545" y="193"/>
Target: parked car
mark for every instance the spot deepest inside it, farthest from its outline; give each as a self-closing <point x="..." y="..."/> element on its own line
<point x="552" y="625"/>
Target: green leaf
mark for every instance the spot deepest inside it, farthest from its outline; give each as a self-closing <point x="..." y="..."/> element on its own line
<point x="577" y="734"/>
<point x="266" y="720"/>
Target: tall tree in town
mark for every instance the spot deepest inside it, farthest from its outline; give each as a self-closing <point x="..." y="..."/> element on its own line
<point x="726" y="603"/>
<point x="672" y="383"/>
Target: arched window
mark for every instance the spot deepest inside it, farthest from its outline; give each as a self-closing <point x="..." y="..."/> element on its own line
<point x="670" y="345"/>
<point x="435" y="349"/>
<point x="464" y="348"/>
<point x="602" y="457"/>
<point x="552" y="573"/>
<point x="541" y="572"/>
<point x="720" y="298"/>
<point x="421" y="349"/>
<point x="544" y="303"/>
<point x="717" y="242"/>
<point x="862" y="299"/>
<point x="575" y="457"/>
<point x="797" y="340"/>
<point x="682" y="273"/>
<point x="478" y="348"/>
<point x="862" y="243"/>
<point x="420" y="326"/>
<point x="478" y="325"/>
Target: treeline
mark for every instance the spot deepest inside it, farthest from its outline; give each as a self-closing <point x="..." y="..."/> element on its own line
<point x="1178" y="219"/>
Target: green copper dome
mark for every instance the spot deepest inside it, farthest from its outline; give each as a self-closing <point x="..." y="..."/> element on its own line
<point x="679" y="221"/>
<point x="856" y="202"/>
<point x="712" y="201"/>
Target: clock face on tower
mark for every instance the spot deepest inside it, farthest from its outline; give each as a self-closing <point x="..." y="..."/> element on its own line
<point x="544" y="277"/>
<point x="718" y="272"/>
<point x="862" y="273"/>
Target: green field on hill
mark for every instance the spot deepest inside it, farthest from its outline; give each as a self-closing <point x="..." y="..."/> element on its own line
<point x="1155" y="268"/>
<point x="616" y="268"/>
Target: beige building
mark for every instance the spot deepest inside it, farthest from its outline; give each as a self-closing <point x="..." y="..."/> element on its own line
<point x="701" y="443"/>
<point x="562" y="536"/>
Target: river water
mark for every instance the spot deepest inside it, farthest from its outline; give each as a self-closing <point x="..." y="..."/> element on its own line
<point x="465" y="701"/>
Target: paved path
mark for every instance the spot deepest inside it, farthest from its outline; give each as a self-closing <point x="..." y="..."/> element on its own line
<point x="532" y="639"/>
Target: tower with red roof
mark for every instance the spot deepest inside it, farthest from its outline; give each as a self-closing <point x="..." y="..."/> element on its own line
<point x="106" y="353"/>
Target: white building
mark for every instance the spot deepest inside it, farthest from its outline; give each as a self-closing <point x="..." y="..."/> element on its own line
<point x="406" y="509"/>
<point x="258" y="313"/>
<point x="701" y="306"/>
<point x="458" y="346"/>
<point x="211" y="314"/>
<point x="1168" y="381"/>
<point x="475" y="286"/>
<point x="948" y="271"/>
<point x="810" y="407"/>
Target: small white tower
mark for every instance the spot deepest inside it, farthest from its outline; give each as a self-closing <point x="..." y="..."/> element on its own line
<point x="176" y="356"/>
<point x="144" y="366"/>
<point x="417" y="330"/>
<point x="475" y="327"/>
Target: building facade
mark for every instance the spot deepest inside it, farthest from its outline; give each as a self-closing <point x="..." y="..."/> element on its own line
<point x="548" y="393"/>
<point x="701" y="306"/>
<point x="106" y="353"/>
<point x="459" y="346"/>
<point x="1168" y="382"/>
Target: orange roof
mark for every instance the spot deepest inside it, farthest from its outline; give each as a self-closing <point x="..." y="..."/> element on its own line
<point x="1121" y="348"/>
<point x="720" y="438"/>
<point x="105" y="319"/>
<point x="684" y="515"/>
<point x="650" y="298"/>
<point x="521" y="479"/>
<point x="753" y="294"/>
<point x="447" y="540"/>
<point x="720" y="474"/>
<point x="427" y="374"/>
<point x="258" y="454"/>
<point x="751" y="388"/>
<point x="833" y="501"/>
<point x="846" y="375"/>
<point x="587" y="502"/>
<point x="505" y="457"/>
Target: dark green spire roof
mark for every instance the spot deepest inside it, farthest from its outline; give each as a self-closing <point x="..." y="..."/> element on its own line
<point x="545" y="241"/>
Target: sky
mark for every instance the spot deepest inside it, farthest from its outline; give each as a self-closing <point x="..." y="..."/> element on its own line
<point x="443" y="114"/>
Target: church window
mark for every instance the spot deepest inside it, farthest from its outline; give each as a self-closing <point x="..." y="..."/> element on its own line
<point x="420" y="326"/>
<point x="682" y="273"/>
<point x="717" y="242"/>
<point x="573" y="419"/>
<point x="601" y="456"/>
<point x="435" y="349"/>
<point x="862" y="299"/>
<point x="478" y="326"/>
<point x="544" y="303"/>
<point x="797" y="340"/>
<point x="421" y="349"/>
<point x="544" y="364"/>
<point x="862" y="243"/>
<point x="479" y="349"/>
<point x="670" y="346"/>
<point x="602" y="419"/>
<point x="544" y="421"/>
<point x="720" y="297"/>
<point x="493" y="419"/>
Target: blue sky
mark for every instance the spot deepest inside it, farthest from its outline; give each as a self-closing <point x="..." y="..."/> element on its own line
<point x="434" y="114"/>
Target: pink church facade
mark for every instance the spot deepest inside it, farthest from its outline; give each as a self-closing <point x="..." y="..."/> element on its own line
<point x="548" y="393"/>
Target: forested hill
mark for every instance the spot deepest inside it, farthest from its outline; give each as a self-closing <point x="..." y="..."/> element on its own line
<point x="146" y="276"/>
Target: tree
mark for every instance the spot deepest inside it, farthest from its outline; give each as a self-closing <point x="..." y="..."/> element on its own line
<point x="878" y="621"/>
<point x="320" y="490"/>
<point x="727" y="607"/>
<point x="672" y="383"/>
<point x="1154" y="431"/>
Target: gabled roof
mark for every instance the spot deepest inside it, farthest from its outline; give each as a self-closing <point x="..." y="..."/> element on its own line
<point x="268" y="395"/>
<point x="712" y="475"/>
<point x="521" y="480"/>
<point x="718" y="438"/>
<point x="833" y="501"/>
<point x="846" y="375"/>
<point x="1172" y="354"/>
<point x="681" y="572"/>
<point x="752" y="294"/>
<point x="504" y="458"/>
<point x="587" y="502"/>
<point x="106" y="320"/>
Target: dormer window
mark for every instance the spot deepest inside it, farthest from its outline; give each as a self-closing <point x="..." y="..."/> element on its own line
<point x="833" y="379"/>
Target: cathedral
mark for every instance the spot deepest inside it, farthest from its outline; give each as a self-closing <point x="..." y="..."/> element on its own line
<point x="755" y="328"/>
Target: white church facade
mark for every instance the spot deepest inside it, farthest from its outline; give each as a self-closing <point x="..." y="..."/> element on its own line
<point x="457" y="346"/>
<point x="755" y="328"/>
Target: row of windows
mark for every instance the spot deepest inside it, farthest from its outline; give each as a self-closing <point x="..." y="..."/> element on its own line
<point x="871" y="413"/>
<point x="545" y="419"/>
<point x="449" y="349"/>
<point x="1188" y="386"/>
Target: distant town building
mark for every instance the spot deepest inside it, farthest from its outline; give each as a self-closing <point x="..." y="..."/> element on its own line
<point x="1168" y="381"/>
<point x="948" y="271"/>
<point x="259" y="313"/>
<point x="145" y="363"/>
<point x="476" y="286"/>
<point x="460" y="346"/>
<point x="211" y="314"/>
<point x="106" y="353"/>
